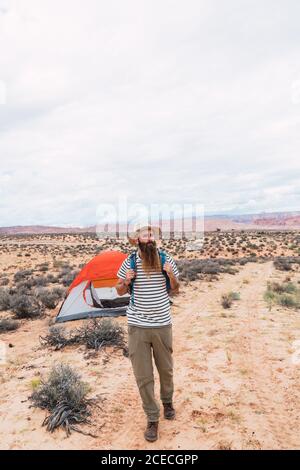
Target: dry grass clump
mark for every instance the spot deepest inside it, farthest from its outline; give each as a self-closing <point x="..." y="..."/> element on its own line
<point x="95" y="334"/>
<point x="64" y="395"/>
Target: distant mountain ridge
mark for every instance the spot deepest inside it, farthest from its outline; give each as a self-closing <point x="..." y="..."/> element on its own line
<point x="32" y="229"/>
<point x="268" y="220"/>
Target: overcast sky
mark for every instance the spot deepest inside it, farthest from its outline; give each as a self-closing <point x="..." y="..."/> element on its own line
<point x="158" y="100"/>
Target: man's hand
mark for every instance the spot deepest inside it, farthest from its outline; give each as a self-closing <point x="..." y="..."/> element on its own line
<point x="168" y="268"/>
<point x="130" y="274"/>
<point x="122" y="285"/>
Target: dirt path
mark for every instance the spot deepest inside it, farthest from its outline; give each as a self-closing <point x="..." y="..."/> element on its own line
<point x="235" y="384"/>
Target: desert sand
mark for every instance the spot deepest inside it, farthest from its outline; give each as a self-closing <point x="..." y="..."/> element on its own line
<point x="236" y="386"/>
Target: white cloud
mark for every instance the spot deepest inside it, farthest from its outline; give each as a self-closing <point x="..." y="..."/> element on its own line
<point x="161" y="100"/>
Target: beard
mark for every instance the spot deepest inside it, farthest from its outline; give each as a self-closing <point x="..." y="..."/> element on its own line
<point x="150" y="257"/>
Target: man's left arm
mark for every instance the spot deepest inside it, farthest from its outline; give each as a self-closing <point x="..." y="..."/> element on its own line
<point x="172" y="272"/>
<point x="174" y="283"/>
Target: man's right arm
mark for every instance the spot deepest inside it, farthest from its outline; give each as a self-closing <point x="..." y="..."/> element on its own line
<point x="125" y="275"/>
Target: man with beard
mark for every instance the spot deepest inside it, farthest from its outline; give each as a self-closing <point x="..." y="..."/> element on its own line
<point x="149" y="322"/>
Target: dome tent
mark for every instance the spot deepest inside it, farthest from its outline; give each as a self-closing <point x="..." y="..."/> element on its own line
<point x="93" y="293"/>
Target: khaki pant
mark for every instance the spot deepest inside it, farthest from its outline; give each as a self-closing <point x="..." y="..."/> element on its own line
<point x="141" y="343"/>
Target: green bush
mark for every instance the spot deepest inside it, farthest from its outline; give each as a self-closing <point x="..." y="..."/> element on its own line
<point x="286" y="294"/>
<point x="287" y="300"/>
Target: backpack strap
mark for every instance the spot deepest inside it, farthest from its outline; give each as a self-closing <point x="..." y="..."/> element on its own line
<point x="132" y="259"/>
<point x="163" y="260"/>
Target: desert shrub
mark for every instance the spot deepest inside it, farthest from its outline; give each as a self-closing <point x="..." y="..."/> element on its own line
<point x="252" y="258"/>
<point x="227" y="299"/>
<point x="97" y="333"/>
<point x="188" y="274"/>
<point x="235" y="295"/>
<point x="68" y="278"/>
<point x="66" y="269"/>
<point x="286" y="294"/>
<point x="64" y="395"/>
<point x="230" y="270"/>
<point x="287" y="287"/>
<point x="60" y="291"/>
<point x="25" y="306"/>
<point x="191" y="269"/>
<point x="7" y="324"/>
<point x="22" y="275"/>
<point x="43" y="267"/>
<point x="49" y="298"/>
<point x="4" y="299"/>
<point x="26" y="285"/>
<point x="270" y="297"/>
<point x="21" y="289"/>
<point x="35" y="383"/>
<point x="288" y="300"/>
<point x="61" y="264"/>
<point x="56" y="338"/>
<point x="40" y="281"/>
<point x="37" y="281"/>
<point x="101" y="332"/>
<point x="210" y="268"/>
<point x="52" y="279"/>
<point x="285" y="263"/>
<point x="4" y="281"/>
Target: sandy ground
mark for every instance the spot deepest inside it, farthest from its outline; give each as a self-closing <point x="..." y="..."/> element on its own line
<point x="236" y="385"/>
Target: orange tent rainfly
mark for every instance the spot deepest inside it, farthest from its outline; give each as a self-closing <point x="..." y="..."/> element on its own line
<point x="93" y="292"/>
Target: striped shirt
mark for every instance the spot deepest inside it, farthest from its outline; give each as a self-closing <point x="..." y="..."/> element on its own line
<point x="151" y="308"/>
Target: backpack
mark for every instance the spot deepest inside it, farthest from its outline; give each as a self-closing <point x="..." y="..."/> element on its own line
<point x="132" y="259"/>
